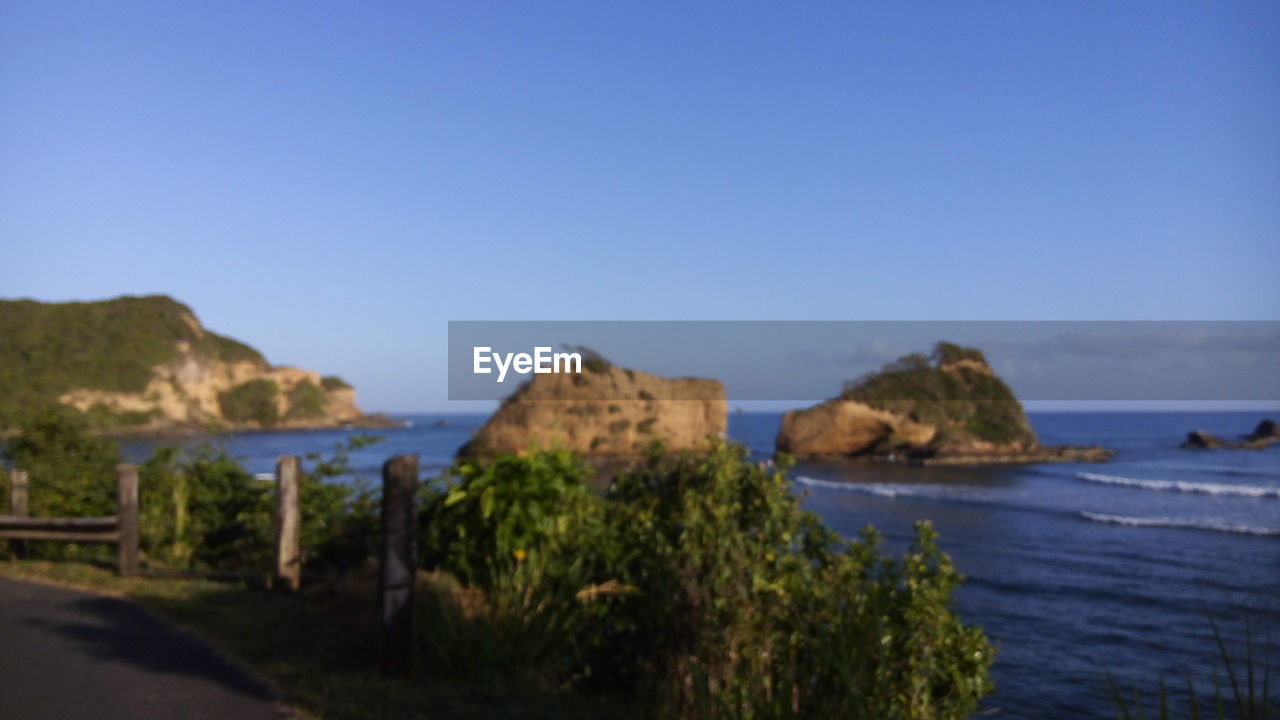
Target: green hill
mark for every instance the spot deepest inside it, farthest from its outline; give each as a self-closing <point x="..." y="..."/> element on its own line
<point x="114" y="347"/>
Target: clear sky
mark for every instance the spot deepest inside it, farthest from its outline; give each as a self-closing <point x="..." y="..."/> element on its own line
<point x="333" y="182"/>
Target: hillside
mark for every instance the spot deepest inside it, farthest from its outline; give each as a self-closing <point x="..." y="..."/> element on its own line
<point x="946" y="408"/>
<point x="148" y="363"/>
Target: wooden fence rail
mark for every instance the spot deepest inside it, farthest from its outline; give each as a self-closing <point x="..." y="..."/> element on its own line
<point x="398" y="554"/>
<point x="120" y="529"/>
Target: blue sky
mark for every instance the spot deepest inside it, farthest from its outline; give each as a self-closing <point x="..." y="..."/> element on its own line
<point x="333" y="182"/>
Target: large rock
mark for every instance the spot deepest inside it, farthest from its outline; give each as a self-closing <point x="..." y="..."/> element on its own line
<point x="605" y="411"/>
<point x="946" y="409"/>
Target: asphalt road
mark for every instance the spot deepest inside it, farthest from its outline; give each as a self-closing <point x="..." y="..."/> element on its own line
<point x="67" y="655"/>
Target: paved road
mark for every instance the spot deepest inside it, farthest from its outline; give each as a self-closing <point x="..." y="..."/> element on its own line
<point x="66" y="655"/>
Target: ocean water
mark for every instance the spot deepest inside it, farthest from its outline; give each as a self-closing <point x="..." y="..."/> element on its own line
<point x="1073" y="570"/>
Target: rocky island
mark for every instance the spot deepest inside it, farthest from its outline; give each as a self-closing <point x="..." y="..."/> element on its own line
<point x="147" y="364"/>
<point x="945" y="409"/>
<point x="604" y="412"/>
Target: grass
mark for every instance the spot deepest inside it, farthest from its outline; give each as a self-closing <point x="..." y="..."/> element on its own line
<point x="320" y="646"/>
<point x="1247" y="695"/>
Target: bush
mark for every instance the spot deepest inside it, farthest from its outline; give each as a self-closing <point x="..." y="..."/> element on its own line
<point x="699" y="586"/>
<point x="489" y="516"/>
<point x="201" y="510"/>
<point x="306" y="400"/>
<point x="72" y="473"/>
<point x="253" y="401"/>
<point x="333" y="382"/>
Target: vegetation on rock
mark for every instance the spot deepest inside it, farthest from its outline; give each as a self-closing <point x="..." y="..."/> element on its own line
<point x="953" y="390"/>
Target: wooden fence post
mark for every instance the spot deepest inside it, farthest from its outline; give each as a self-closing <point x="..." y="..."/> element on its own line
<point x="127" y="516"/>
<point x="288" y="570"/>
<point x="399" y="561"/>
<point x="18" y="506"/>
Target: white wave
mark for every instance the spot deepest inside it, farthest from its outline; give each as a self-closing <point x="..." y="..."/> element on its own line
<point x="892" y="490"/>
<point x="1203" y="488"/>
<point x="1166" y="522"/>
<point x="883" y="490"/>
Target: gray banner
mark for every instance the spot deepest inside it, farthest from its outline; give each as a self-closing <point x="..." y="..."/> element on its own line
<point x="805" y="361"/>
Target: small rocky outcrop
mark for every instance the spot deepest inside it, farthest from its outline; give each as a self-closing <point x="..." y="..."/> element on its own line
<point x="605" y="412"/>
<point x="946" y="409"/>
<point x="1264" y="435"/>
<point x="1265" y="430"/>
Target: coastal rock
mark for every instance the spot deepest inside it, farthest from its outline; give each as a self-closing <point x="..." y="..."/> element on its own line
<point x="1266" y="429"/>
<point x="1201" y="440"/>
<point x="949" y="408"/>
<point x="1264" y="435"/>
<point x="604" y="411"/>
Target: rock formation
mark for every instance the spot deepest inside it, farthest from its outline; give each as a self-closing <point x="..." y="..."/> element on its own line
<point x="604" y="411"/>
<point x="1264" y="435"/>
<point x="146" y="363"/>
<point x="947" y="409"/>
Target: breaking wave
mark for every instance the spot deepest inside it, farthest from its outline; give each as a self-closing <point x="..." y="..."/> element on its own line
<point x="1165" y="522"/>
<point x="1203" y="488"/>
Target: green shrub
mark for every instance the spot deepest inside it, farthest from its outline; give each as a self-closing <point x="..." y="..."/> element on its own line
<point x="71" y="473"/>
<point x="491" y="515"/>
<point x="306" y="400"/>
<point x="333" y="382"/>
<point x="964" y="403"/>
<point x="698" y="586"/>
<point x="201" y="510"/>
<point x="253" y="401"/>
<point x="1247" y="695"/>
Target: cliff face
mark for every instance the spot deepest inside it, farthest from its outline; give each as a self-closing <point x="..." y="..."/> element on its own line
<point x="605" y="411"/>
<point x="148" y="363"/>
<point x="948" y="408"/>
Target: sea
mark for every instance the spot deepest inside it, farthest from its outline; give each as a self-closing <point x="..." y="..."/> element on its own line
<point x="1075" y="571"/>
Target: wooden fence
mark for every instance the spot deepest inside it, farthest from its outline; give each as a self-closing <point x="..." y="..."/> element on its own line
<point x="120" y="529"/>
<point x="399" y="539"/>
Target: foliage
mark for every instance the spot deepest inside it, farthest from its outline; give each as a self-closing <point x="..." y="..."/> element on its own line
<point x="253" y="401"/>
<point x="945" y="353"/>
<point x="306" y="400"/>
<point x="592" y="361"/>
<point x="964" y="402"/>
<point x="698" y="585"/>
<point x="1248" y="695"/>
<point x="333" y="382"/>
<point x="341" y="521"/>
<point x="103" y="417"/>
<point x="47" y="349"/>
<point x="73" y="472"/>
<point x="488" y="516"/>
<point x="200" y="509"/>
